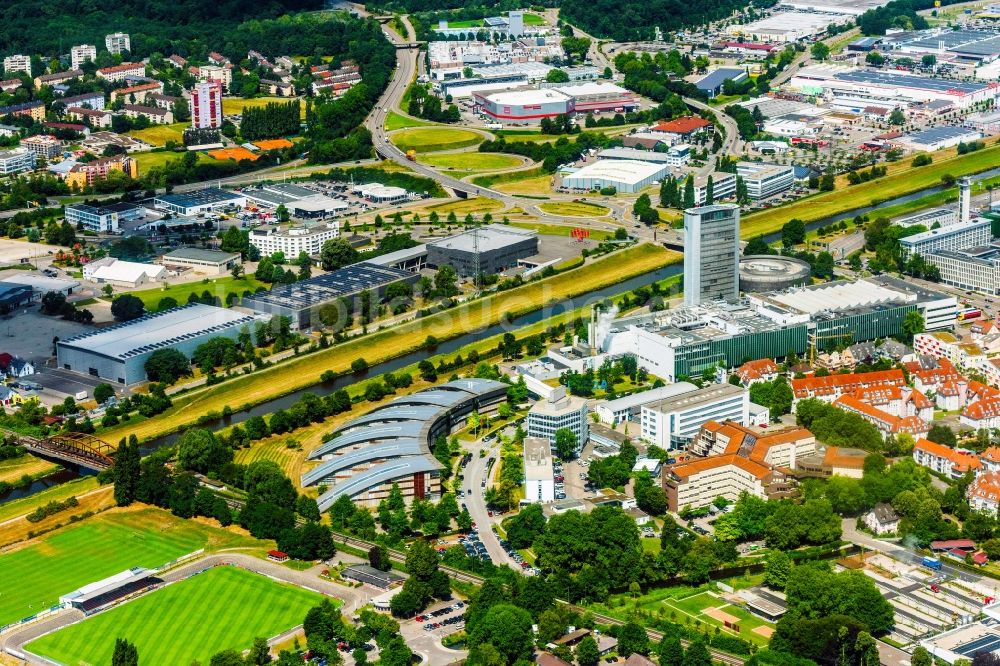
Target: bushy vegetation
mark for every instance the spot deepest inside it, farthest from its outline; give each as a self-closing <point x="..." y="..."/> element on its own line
<point x="634" y="20"/>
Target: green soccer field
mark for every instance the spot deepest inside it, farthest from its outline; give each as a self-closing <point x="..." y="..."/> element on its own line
<point x="223" y="608"/>
<point x="33" y="578"/>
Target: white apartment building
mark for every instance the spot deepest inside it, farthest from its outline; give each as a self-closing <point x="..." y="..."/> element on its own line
<point x="953" y="237"/>
<point x="17" y="63"/>
<point x="294" y="240"/>
<point x="539" y="478"/>
<point x="765" y="180"/>
<point x="943" y="459"/>
<point x="118" y="73"/>
<point x="81" y="54"/>
<point x="559" y="410"/>
<point x="117" y="42"/>
<point x="672" y="423"/>
<point x="216" y="73"/>
<point x="18" y="160"/>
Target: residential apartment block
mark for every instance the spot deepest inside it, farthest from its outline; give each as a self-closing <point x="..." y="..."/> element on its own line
<point x="117" y="42"/>
<point x="81" y="54"/>
<point x="17" y="63"/>
<point x="831" y="387"/>
<point x="206" y="105"/>
<point x="117" y="73"/>
<point x="944" y="459"/>
<point x="43" y="145"/>
<point x="85" y="175"/>
<point x="216" y="73"/>
<point x="698" y="483"/>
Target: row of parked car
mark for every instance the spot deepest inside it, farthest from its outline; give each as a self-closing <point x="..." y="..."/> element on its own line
<point x="517" y="557"/>
<point x="431" y="623"/>
<point x="474" y="547"/>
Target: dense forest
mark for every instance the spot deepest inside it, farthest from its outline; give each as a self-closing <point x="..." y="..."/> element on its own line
<point x="471" y="9"/>
<point x="626" y="20"/>
<point x="897" y="14"/>
<point x="167" y="26"/>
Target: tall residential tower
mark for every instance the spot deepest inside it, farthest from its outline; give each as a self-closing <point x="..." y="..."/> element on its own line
<point x="711" y="253"/>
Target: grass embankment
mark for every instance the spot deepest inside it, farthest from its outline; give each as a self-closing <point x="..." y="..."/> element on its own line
<point x="27" y="465"/>
<point x="431" y="139"/>
<point x="472" y="161"/>
<point x="33" y="577"/>
<point x="464" y="206"/>
<point x="237" y="604"/>
<point x="58" y="493"/>
<point x="561" y="230"/>
<point x="232" y="106"/>
<point x="396" y="121"/>
<point x="511" y="177"/>
<point x="903" y="181"/>
<point x="575" y="208"/>
<point x="304" y="371"/>
<point x="218" y="287"/>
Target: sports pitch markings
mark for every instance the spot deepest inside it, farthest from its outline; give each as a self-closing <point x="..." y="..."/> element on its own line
<point x="222" y="608"/>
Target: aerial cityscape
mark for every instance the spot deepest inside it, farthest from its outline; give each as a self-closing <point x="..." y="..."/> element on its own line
<point x="558" y="334"/>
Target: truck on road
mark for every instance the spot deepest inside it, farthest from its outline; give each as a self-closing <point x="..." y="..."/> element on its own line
<point x="931" y="563"/>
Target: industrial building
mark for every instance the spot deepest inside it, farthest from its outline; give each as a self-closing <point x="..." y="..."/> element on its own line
<point x="42" y="284"/>
<point x="300" y="301"/>
<point x="711" y="253"/>
<point x="938" y="138"/>
<point x="786" y="26"/>
<point x="675" y="156"/>
<point x="392" y="444"/>
<point x="118" y="353"/>
<point x="17" y="160"/>
<point x="812" y="319"/>
<point x="199" y="202"/>
<point x="958" y="236"/>
<point x="765" y="180"/>
<point x="853" y="87"/>
<point x="120" y="273"/>
<point x="942" y="217"/>
<point x="293" y="240"/>
<point x="711" y="84"/>
<point x="485" y="250"/>
<point x="539" y="478"/>
<point x="530" y="105"/>
<point x="104" y="218"/>
<point x="770" y="272"/>
<point x="629" y="407"/>
<point x="623" y="175"/>
<point x="199" y="260"/>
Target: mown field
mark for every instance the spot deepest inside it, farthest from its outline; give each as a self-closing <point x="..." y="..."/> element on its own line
<point x="395" y="121"/>
<point x="158" y="135"/>
<point x="33" y="577"/>
<point x="575" y="208"/>
<point x="472" y="161"/>
<point x="27" y="465"/>
<point x="304" y="371"/>
<point x="431" y="139"/>
<point x="159" y="158"/>
<point x="222" y="608"/>
<point x="218" y="287"/>
<point x="232" y="106"/>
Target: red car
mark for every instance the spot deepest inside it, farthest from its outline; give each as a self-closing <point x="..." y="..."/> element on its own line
<point x="935" y="588"/>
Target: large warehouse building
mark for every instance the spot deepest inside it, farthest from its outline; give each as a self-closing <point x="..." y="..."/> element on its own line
<point x="850" y="86"/>
<point x="392" y="444"/>
<point x="300" y="301"/>
<point x="489" y="250"/>
<point x="623" y="175"/>
<point x="118" y="353"/>
<point x="530" y="105"/>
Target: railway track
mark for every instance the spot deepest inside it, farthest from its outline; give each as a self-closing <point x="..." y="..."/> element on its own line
<point x="465" y="577"/>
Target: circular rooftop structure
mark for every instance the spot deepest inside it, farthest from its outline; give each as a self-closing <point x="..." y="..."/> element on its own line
<point x="766" y="272"/>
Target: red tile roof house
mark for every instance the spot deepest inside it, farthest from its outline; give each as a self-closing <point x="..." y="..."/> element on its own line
<point x="277" y="556"/>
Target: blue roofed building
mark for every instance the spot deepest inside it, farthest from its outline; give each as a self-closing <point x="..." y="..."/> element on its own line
<point x="711" y="84"/>
<point x="392" y="444"/>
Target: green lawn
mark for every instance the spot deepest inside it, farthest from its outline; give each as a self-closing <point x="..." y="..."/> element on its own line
<point x="575" y="208"/>
<point x="431" y="139"/>
<point x="529" y="19"/>
<point x="159" y="158"/>
<point x="33" y="578"/>
<point x="561" y="230"/>
<point x="158" y="135"/>
<point x="223" y="608"/>
<point x="232" y="106"/>
<point x="395" y="121"/>
<point x="218" y="287"/>
<point x="472" y="161"/>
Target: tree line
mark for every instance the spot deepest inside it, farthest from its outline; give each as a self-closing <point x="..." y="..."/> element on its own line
<point x="274" y="119"/>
